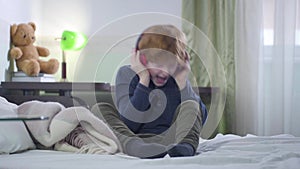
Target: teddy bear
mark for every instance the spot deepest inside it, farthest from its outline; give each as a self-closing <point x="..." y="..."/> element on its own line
<point x="26" y="54"/>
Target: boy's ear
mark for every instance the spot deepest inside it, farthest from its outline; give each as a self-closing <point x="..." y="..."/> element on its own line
<point x="143" y="59"/>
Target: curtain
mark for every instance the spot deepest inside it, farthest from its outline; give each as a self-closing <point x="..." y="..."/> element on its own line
<point x="267" y="67"/>
<point x="216" y="20"/>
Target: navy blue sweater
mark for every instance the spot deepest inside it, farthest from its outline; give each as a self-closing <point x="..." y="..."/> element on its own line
<point x="150" y="109"/>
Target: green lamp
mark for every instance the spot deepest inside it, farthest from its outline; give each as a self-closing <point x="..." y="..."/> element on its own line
<point x="70" y="41"/>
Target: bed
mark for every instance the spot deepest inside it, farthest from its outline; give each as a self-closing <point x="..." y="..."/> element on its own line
<point x="222" y="151"/>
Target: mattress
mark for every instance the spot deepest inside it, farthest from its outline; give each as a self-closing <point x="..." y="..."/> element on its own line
<point x="223" y="151"/>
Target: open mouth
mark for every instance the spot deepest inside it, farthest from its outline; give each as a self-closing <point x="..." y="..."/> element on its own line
<point x="160" y="80"/>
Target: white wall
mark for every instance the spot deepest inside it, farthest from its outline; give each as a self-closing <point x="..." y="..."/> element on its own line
<point x="14" y="11"/>
<point x="11" y="11"/>
<point x="105" y="22"/>
<point x="87" y="16"/>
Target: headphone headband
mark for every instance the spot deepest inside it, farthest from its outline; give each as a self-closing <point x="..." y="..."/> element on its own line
<point x="137" y="42"/>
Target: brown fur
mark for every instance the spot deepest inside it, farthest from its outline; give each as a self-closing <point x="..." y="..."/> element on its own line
<point x="26" y="54"/>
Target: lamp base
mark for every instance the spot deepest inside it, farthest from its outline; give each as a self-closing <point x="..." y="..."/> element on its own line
<point x="64" y="71"/>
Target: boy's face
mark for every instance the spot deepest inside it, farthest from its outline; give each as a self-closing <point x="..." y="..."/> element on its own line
<point x="161" y="70"/>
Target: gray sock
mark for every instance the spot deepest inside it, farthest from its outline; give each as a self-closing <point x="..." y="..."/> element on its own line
<point x="138" y="148"/>
<point x="181" y="150"/>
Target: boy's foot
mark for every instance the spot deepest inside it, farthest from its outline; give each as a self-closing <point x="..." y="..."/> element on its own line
<point x="181" y="150"/>
<point x="138" y="148"/>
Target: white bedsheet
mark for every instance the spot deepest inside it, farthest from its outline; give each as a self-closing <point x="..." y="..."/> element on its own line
<point x="224" y="151"/>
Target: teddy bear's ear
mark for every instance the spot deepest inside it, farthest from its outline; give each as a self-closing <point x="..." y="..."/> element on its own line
<point x="13" y="29"/>
<point x="32" y="24"/>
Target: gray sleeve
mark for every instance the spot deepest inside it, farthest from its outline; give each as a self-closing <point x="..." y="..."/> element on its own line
<point x="133" y="100"/>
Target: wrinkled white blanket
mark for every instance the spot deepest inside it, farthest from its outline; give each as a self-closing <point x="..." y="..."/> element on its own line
<point x="63" y="121"/>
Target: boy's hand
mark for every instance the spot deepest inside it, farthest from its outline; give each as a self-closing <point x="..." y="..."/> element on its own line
<point x="182" y="72"/>
<point x="139" y="68"/>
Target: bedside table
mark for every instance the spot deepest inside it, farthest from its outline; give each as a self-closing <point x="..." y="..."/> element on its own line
<point x="19" y="92"/>
<point x="60" y="88"/>
<point x="62" y="92"/>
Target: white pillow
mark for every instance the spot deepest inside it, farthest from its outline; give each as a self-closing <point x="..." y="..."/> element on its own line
<point x="14" y="136"/>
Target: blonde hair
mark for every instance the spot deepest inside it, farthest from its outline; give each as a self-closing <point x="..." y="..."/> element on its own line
<point x="163" y="37"/>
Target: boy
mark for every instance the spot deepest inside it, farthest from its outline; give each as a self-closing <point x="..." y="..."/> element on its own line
<point x="157" y="112"/>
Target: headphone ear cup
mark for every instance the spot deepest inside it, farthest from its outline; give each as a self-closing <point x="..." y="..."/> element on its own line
<point x="143" y="59"/>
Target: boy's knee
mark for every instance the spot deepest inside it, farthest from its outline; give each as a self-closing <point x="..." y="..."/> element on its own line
<point x="189" y="105"/>
<point x="188" y="109"/>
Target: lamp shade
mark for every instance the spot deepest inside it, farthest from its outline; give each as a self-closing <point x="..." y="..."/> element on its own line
<point x="72" y="40"/>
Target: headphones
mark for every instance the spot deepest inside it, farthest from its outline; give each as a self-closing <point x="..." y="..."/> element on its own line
<point x="137" y="42"/>
<point x="142" y="56"/>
